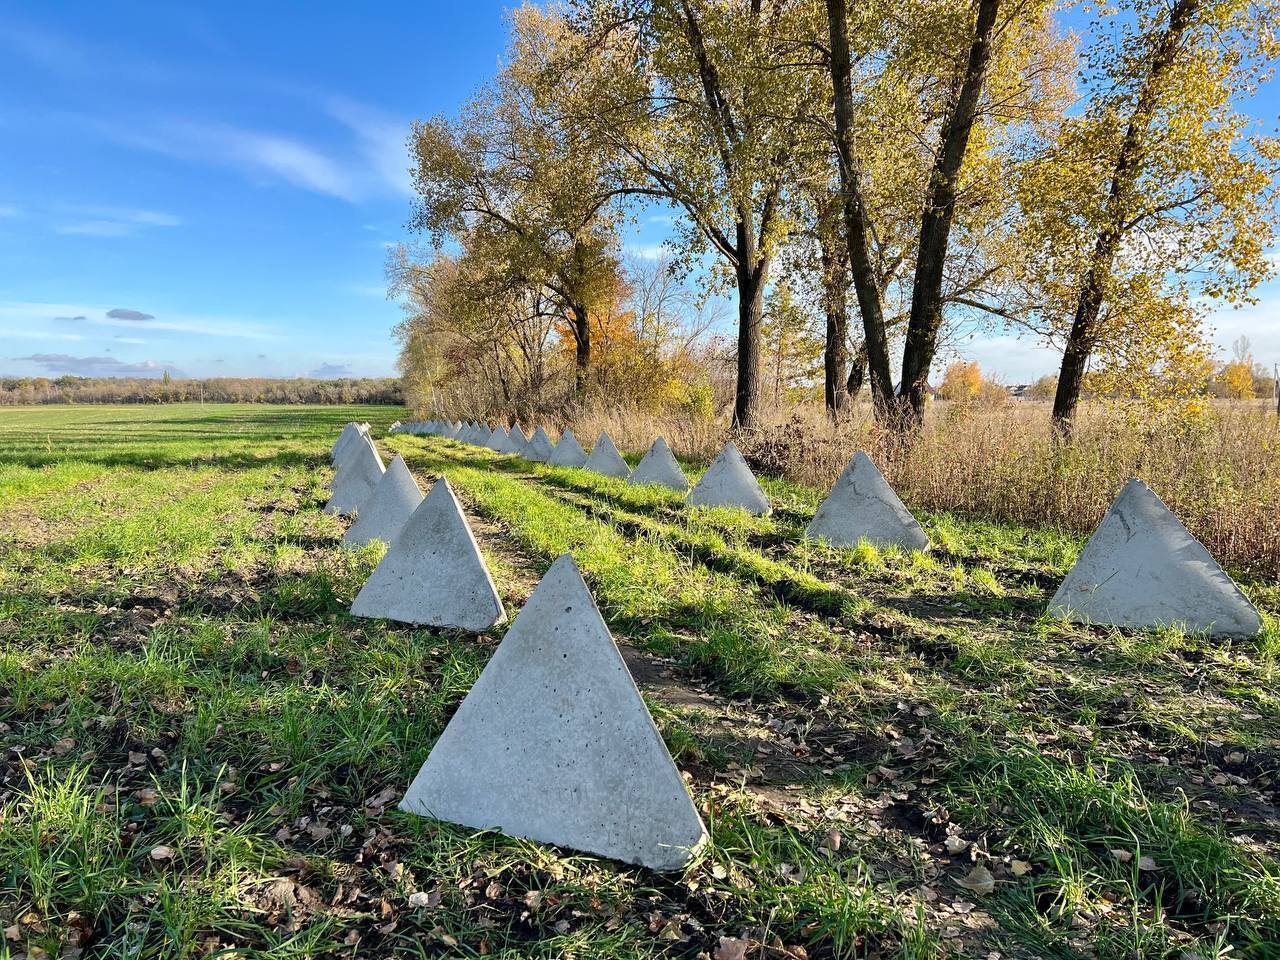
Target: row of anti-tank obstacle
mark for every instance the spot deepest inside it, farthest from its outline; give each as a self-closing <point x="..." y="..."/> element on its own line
<point x="553" y="742"/>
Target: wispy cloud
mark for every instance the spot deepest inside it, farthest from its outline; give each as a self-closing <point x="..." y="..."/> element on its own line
<point x="135" y="316"/>
<point x="330" y="371"/>
<point x="95" y="221"/>
<point x="382" y="141"/>
<point x="8" y="211"/>
<point x="646" y="251"/>
<point x="63" y="363"/>
<point x="22" y="315"/>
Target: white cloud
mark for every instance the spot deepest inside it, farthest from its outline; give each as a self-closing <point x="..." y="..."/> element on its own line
<point x="646" y="251"/>
<point x="383" y="141"/>
<point x="1257" y="322"/>
<point x="22" y="315"/>
<point x="113" y="221"/>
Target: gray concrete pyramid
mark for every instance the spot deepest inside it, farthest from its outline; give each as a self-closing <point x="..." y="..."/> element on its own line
<point x="1142" y="568"/>
<point x="346" y="441"/>
<point x="729" y="482"/>
<point x="606" y="459"/>
<point x="497" y="439"/>
<point x="659" y="466"/>
<point x="511" y="443"/>
<point x="555" y="744"/>
<point x="862" y="506"/>
<point x="539" y="448"/>
<point x="568" y="452"/>
<point x="355" y="478"/>
<point x="387" y="509"/>
<point x="518" y="439"/>
<point x="347" y="432"/>
<point x="351" y="453"/>
<point x="433" y="574"/>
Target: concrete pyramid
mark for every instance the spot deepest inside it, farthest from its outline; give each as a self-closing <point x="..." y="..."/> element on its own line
<point x="555" y="744"/>
<point x="433" y="573"/>
<point x="511" y="442"/>
<point x="387" y="509"/>
<point x="659" y="466"/>
<point x="518" y="440"/>
<point x="497" y="439"/>
<point x="729" y="482"/>
<point x="606" y="459"/>
<point x="346" y="441"/>
<point x="346" y="436"/>
<point x="539" y="448"/>
<point x="355" y="479"/>
<point x="568" y="452"/>
<point x="1142" y="568"/>
<point x="862" y="506"/>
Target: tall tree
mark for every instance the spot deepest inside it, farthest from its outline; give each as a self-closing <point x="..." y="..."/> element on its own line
<point x="699" y="103"/>
<point x="950" y="87"/>
<point x="1159" y="196"/>
<point x="505" y="173"/>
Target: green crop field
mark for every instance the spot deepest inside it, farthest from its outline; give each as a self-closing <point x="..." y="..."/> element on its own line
<point x="896" y="754"/>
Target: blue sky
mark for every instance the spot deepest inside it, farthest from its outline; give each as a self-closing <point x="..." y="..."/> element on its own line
<point x="212" y="190"/>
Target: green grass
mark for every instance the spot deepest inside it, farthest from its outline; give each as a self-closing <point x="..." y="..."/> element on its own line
<point x="198" y="741"/>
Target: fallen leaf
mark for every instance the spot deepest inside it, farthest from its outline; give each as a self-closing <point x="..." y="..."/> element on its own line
<point x="1020" y="868"/>
<point x="161" y="853"/>
<point x="955" y="844"/>
<point x="1147" y="863"/>
<point x="979" y="880"/>
<point x="732" y="948"/>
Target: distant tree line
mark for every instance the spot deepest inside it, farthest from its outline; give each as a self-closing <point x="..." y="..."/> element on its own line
<point x="69" y="389"/>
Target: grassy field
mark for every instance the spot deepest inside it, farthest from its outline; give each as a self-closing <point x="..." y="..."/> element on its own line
<point x="896" y="755"/>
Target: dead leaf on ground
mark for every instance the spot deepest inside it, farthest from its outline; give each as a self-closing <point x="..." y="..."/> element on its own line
<point x="732" y="948"/>
<point x="979" y="880"/>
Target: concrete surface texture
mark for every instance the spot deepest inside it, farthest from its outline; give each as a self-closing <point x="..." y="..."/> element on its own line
<point x="729" y="482"/>
<point x="513" y="443"/>
<point x="862" y="506"/>
<point x="606" y="459"/>
<point x="568" y="452"/>
<point x="539" y="448"/>
<point x="385" y="512"/>
<point x="433" y="574"/>
<point x="349" y="434"/>
<point x="555" y="744"/>
<point x="497" y="439"/>
<point x="659" y="466"/>
<point x="1142" y="568"/>
<point x="355" y="479"/>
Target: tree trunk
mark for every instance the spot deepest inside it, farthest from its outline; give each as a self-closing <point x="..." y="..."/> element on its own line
<point x="1084" y="327"/>
<point x="835" y="291"/>
<point x="856" y="228"/>
<point x="935" y="224"/>
<point x="857" y="371"/>
<point x="833" y="357"/>
<point x="582" y="349"/>
<point x="752" y="275"/>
